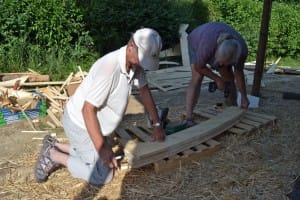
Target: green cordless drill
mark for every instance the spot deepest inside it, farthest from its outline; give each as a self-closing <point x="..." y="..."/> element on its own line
<point x="212" y="87"/>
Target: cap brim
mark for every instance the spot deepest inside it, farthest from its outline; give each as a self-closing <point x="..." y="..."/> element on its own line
<point x="149" y="63"/>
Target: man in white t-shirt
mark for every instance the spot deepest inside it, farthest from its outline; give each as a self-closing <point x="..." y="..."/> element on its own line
<point x="97" y="108"/>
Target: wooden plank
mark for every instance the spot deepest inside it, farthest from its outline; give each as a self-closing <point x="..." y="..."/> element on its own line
<point x="245" y="126"/>
<point x="31" y="77"/>
<point x="237" y="130"/>
<point x="12" y="82"/>
<point x="123" y="133"/>
<point x="207" y="113"/>
<point x="146" y="129"/>
<point x="157" y="86"/>
<point x="184" y="45"/>
<point x="56" y="121"/>
<point x="171" y="69"/>
<point x="42" y="83"/>
<point x="260" y="115"/>
<point x="171" y="76"/>
<point x="256" y="119"/>
<point x="140" y="134"/>
<point x="139" y="153"/>
<point x="199" y="152"/>
<point x="66" y="81"/>
<point x="251" y="123"/>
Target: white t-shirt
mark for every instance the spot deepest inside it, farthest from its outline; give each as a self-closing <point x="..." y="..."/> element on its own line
<point x="107" y="86"/>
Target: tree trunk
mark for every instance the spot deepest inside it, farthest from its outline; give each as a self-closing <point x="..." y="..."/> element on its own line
<point x="261" y="51"/>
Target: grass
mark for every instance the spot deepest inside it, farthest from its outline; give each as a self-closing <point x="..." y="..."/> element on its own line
<point x="289" y="62"/>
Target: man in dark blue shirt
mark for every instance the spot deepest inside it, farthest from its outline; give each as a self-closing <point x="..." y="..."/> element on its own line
<point x="216" y="45"/>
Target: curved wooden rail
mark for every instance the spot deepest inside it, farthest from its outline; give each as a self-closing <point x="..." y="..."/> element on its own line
<point x="142" y="153"/>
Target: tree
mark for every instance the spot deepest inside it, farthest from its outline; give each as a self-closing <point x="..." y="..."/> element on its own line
<point x="261" y="51"/>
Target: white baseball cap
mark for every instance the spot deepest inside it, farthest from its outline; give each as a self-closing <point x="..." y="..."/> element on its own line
<point x="149" y="44"/>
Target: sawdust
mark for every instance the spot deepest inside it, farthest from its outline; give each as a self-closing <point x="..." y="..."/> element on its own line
<point x="259" y="165"/>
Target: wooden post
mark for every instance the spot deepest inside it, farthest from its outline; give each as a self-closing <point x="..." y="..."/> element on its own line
<point x="261" y="52"/>
<point x="184" y="45"/>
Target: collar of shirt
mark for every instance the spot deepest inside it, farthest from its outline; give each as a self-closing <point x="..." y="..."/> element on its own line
<point x="122" y="61"/>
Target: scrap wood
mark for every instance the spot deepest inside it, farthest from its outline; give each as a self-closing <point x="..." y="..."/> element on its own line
<point x="56" y="121"/>
<point x="272" y="68"/>
<point x="50" y="124"/>
<point x="288" y="70"/>
<point x="12" y="82"/>
<point x="32" y="71"/>
<point x="28" y="120"/>
<point x="42" y="83"/>
<point x="82" y="75"/>
<point x="35" y="131"/>
<point x="66" y="81"/>
<point x="31" y="77"/>
<point x="11" y="98"/>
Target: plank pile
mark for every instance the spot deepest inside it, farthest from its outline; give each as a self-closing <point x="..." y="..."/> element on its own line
<point x="39" y="91"/>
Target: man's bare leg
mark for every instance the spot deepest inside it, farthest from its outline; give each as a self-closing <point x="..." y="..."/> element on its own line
<point x="64" y="147"/>
<point x="59" y="157"/>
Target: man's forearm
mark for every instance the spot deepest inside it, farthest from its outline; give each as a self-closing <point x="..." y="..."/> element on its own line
<point x="92" y="125"/>
<point x="148" y="102"/>
<point x="240" y="81"/>
<point x="207" y="72"/>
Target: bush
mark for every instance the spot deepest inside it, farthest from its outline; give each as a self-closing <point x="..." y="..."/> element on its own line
<point x="32" y="31"/>
<point x="55" y="36"/>
<point x="284" y="38"/>
<point x="245" y="17"/>
<point x="111" y="22"/>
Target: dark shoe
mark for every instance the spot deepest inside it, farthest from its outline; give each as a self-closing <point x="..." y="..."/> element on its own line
<point x="44" y="165"/>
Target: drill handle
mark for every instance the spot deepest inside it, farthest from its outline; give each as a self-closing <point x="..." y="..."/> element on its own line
<point x="227" y="89"/>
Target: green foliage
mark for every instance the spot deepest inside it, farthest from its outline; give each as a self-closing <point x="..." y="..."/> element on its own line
<point x="245" y="17"/>
<point x="48" y="36"/>
<point x="55" y="36"/>
<point x="111" y="22"/>
<point x="284" y="38"/>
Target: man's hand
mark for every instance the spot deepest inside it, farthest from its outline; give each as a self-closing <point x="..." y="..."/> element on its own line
<point x="107" y="157"/>
<point x="158" y="134"/>
<point x="244" y="102"/>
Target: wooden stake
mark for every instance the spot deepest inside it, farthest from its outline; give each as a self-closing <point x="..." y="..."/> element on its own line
<point x="67" y="81"/>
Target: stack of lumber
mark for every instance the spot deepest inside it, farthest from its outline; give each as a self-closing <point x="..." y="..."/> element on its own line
<point x="56" y="93"/>
<point x="58" y="96"/>
<point x="31" y="77"/>
<point x="18" y="100"/>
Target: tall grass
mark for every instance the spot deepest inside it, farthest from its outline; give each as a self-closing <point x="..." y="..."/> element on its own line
<point x="58" y="63"/>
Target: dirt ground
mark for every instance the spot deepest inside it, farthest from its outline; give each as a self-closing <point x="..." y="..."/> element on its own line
<point x="259" y="165"/>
